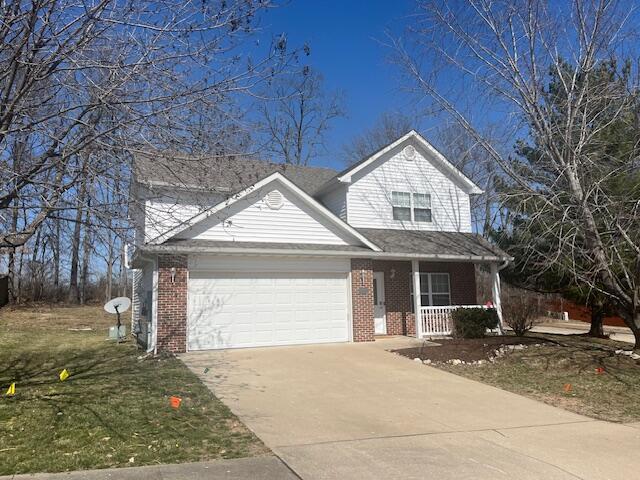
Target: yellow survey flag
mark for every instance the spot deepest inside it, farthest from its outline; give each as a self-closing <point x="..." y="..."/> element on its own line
<point x="12" y="390"/>
<point x="64" y="375"/>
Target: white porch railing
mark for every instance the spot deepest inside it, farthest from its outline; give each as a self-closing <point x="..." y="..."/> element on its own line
<point x="437" y="320"/>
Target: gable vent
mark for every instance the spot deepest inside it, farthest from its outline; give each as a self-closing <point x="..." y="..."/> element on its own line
<point x="409" y="152"/>
<point x="274" y="200"/>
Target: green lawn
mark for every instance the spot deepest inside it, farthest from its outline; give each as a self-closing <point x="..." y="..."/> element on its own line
<point x="114" y="408"/>
<point x="543" y="372"/>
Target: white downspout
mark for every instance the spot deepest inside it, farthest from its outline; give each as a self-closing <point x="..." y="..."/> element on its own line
<point x="154" y="313"/>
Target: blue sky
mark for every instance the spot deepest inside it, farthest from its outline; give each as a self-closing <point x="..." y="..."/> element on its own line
<point x="344" y="38"/>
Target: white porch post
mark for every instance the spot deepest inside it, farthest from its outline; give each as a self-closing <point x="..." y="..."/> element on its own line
<point x="495" y="289"/>
<point x="415" y="275"/>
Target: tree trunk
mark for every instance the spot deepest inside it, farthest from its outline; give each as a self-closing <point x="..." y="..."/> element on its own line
<point x="124" y="278"/>
<point x="86" y="254"/>
<point x="74" y="293"/>
<point x="597" y="319"/>
<point x="110" y="253"/>
<point x="636" y="334"/>
<point x="632" y="320"/>
<point x="13" y="275"/>
<point x="56" y="259"/>
<point x="34" y="268"/>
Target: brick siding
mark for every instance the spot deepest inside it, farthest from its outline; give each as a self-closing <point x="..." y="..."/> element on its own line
<point x="362" y="299"/>
<point x="397" y="296"/>
<point x="172" y="304"/>
<point x="400" y="318"/>
<point x="462" y="279"/>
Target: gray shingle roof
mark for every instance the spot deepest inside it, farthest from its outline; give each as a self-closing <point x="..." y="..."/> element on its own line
<point x="432" y="243"/>
<point x="208" y="245"/>
<point x="447" y="245"/>
<point x="224" y="174"/>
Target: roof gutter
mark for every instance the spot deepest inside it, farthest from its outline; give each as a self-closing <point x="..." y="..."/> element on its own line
<point x="324" y="253"/>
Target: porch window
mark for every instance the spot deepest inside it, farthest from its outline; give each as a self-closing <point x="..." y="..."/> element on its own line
<point x="439" y="289"/>
<point x="435" y="290"/>
<point x="401" y="202"/>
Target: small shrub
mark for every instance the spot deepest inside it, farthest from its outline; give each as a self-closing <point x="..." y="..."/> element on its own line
<point x="473" y="322"/>
<point x="520" y="313"/>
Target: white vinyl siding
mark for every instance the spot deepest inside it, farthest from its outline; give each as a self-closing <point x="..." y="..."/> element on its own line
<point x="369" y="201"/>
<point x="252" y="220"/>
<point x="336" y="201"/>
<point x="142" y="303"/>
<point x="257" y="263"/>
<point x="166" y="209"/>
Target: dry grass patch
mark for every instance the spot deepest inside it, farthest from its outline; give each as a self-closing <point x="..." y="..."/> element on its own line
<point x="543" y="372"/>
<point x="113" y="410"/>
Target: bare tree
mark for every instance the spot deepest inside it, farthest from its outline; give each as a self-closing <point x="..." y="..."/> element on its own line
<point x="388" y="128"/>
<point x="478" y="59"/>
<point x="471" y="158"/>
<point x="296" y="120"/>
<point x="110" y="76"/>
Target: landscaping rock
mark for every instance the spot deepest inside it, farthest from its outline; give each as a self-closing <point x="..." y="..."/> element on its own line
<point x="469" y="350"/>
<point x="417" y="359"/>
<point x="427" y="362"/>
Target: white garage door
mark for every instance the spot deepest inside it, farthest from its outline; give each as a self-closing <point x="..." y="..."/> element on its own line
<point x="242" y="309"/>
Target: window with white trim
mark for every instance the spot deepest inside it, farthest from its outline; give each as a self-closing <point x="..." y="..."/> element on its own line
<point x="421" y="207"/>
<point x="435" y="290"/>
<point x="401" y="203"/>
<point x="409" y="207"/>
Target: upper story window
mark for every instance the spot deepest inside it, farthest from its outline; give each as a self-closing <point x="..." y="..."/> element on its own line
<point x="411" y="208"/>
<point x="421" y="207"/>
<point x="401" y="202"/>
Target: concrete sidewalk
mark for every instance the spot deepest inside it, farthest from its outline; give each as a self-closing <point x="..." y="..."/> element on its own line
<point x="258" y="468"/>
<point x="620" y="334"/>
<point x="355" y="411"/>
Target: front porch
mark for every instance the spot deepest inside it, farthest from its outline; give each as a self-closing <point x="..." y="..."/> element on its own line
<point x="384" y="303"/>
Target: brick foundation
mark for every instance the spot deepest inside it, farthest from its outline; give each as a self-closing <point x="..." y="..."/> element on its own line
<point x="172" y="303"/>
<point x="362" y="299"/>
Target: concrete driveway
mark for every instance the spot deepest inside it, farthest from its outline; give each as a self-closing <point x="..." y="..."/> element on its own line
<point x="348" y="411"/>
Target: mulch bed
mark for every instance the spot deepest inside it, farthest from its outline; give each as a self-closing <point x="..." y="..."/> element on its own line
<point x="466" y="349"/>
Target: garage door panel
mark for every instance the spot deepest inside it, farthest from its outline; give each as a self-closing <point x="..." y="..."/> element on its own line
<point x="228" y="310"/>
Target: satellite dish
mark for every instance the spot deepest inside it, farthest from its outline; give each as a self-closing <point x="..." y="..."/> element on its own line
<point x="117" y="305"/>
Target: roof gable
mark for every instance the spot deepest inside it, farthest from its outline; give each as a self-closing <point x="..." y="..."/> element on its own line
<point x="300" y="206"/>
<point x="433" y="155"/>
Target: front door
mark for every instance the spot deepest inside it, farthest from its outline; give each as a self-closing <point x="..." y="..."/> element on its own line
<point x="379" y="309"/>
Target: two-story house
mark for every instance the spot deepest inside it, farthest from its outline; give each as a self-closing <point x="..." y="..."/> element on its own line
<point x="242" y="253"/>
